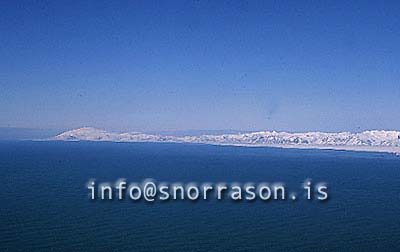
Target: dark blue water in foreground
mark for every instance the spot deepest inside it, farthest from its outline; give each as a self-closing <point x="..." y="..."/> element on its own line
<point x="44" y="204"/>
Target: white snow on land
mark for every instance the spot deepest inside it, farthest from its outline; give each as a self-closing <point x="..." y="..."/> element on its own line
<point x="373" y="140"/>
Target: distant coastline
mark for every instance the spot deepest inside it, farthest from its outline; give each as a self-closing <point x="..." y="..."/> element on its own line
<point x="370" y="141"/>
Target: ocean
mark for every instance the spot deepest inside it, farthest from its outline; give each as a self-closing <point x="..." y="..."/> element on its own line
<point x="45" y="204"/>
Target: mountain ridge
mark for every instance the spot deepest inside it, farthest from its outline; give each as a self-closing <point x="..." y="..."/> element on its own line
<point x="371" y="140"/>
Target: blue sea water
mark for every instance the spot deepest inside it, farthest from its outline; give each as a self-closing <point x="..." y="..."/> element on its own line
<point x="45" y="205"/>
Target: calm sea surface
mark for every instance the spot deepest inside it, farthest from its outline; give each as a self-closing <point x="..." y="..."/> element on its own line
<point x="45" y="205"/>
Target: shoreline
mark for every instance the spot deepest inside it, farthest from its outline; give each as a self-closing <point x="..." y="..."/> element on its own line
<point x="379" y="149"/>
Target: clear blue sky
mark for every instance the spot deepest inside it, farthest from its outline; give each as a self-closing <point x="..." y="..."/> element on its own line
<point x="170" y="65"/>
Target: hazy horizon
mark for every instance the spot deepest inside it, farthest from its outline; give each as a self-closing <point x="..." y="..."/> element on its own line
<point x="13" y="133"/>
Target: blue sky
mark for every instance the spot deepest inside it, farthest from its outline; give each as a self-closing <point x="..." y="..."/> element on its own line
<point x="171" y="65"/>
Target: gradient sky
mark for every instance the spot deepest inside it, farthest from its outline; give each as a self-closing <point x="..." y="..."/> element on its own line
<point x="170" y="65"/>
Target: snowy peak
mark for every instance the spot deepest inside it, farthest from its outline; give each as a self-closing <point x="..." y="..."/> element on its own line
<point x="85" y="133"/>
<point x="93" y="134"/>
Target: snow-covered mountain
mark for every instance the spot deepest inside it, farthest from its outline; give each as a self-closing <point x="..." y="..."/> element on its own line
<point x="92" y="134"/>
<point x="374" y="140"/>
